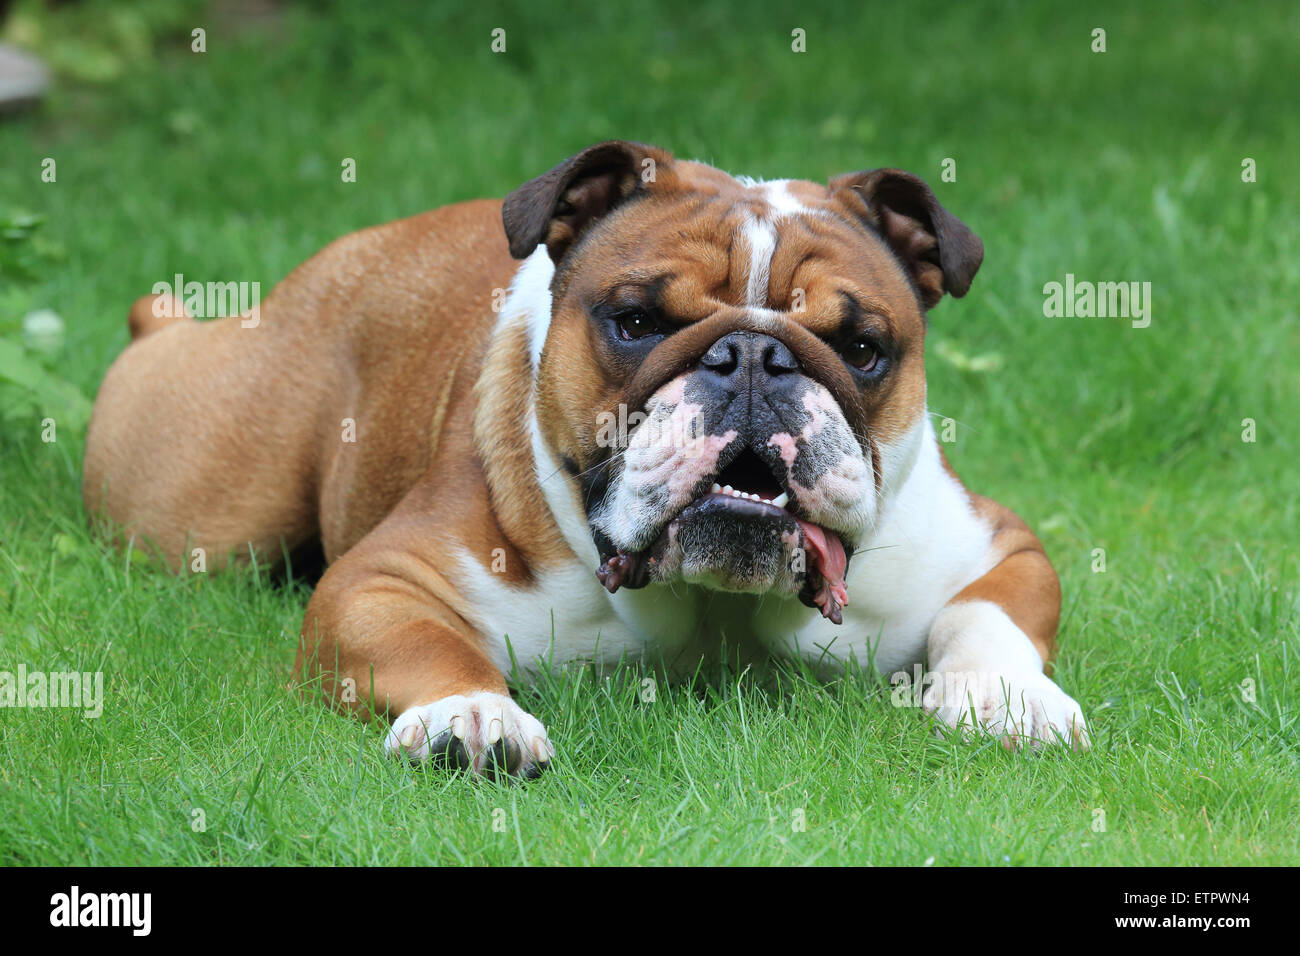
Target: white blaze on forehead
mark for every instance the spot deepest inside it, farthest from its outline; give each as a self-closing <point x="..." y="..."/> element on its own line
<point x="759" y="232"/>
<point x="760" y="237"/>
<point x="782" y="201"/>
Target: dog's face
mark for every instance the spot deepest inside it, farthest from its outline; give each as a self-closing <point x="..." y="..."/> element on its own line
<point x="730" y="367"/>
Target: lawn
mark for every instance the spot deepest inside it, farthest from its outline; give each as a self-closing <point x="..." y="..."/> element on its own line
<point x="1157" y="463"/>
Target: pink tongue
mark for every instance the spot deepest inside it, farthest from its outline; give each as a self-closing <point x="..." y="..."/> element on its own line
<point x="827" y="557"/>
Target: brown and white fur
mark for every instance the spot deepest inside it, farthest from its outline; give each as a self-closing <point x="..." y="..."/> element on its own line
<point x="463" y="525"/>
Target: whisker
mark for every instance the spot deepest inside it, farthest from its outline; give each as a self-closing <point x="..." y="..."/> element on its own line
<point x="610" y="460"/>
<point x="879" y="547"/>
<point x="941" y="415"/>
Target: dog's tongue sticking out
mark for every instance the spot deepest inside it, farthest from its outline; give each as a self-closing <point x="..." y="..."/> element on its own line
<point x="826" y="557"/>
<point x="621" y="570"/>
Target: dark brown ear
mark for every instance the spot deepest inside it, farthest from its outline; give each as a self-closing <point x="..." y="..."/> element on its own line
<point x="940" y="252"/>
<point x="556" y="207"/>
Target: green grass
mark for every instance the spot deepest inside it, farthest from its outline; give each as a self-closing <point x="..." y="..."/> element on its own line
<point x="1117" y="166"/>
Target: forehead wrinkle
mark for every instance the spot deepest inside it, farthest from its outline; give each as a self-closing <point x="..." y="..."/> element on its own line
<point x="791" y="253"/>
<point x="705" y="252"/>
<point x="851" y="266"/>
<point x="824" y="322"/>
<point x="868" y="303"/>
<point x="687" y="299"/>
<point x="808" y="258"/>
<point x="812" y="257"/>
<point x="639" y="277"/>
<point x="674" y="240"/>
<point x="859" y="313"/>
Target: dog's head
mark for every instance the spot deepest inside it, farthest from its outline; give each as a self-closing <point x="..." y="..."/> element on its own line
<point x="730" y="366"/>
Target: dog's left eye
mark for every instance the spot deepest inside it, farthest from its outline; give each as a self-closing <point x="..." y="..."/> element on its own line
<point x="635" y="324"/>
<point x="861" y="354"/>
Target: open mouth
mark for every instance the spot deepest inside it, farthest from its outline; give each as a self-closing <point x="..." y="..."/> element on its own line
<point x="748" y="478"/>
<point x="748" y="495"/>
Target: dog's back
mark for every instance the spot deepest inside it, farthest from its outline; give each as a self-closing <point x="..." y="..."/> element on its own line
<point x="253" y="430"/>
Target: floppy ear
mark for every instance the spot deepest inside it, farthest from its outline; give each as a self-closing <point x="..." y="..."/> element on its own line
<point x="556" y="207"/>
<point x="938" y="250"/>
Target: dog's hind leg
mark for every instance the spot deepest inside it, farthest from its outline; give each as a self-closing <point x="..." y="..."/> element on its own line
<point x="202" y="443"/>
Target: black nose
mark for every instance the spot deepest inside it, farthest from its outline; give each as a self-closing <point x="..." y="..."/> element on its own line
<point x="747" y="358"/>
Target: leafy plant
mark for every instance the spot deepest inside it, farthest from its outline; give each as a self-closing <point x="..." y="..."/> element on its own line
<point x="30" y="390"/>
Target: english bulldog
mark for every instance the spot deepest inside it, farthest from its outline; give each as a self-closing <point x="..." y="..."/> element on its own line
<point x="642" y="409"/>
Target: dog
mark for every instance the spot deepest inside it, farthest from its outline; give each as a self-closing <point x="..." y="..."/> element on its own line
<point x="641" y="409"/>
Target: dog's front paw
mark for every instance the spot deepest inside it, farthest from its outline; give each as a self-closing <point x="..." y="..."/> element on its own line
<point x="1024" y="709"/>
<point x="483" y="732"/>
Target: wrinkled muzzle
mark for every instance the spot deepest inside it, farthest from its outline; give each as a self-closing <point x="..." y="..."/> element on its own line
<point x="740" y="472"/>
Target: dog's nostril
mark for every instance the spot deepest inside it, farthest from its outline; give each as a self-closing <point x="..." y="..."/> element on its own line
<point x="779" y="360"/>
<point x="721" y="357"/>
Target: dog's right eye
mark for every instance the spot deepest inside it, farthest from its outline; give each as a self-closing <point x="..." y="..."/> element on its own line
<point x="635" y="324"/>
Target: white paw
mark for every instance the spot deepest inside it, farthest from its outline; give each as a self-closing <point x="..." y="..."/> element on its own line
<point x="1023" y="708"/>
<point x="482" y="732"/>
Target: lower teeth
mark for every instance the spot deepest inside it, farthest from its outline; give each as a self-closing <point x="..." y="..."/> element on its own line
<point x="779" y="501"/>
